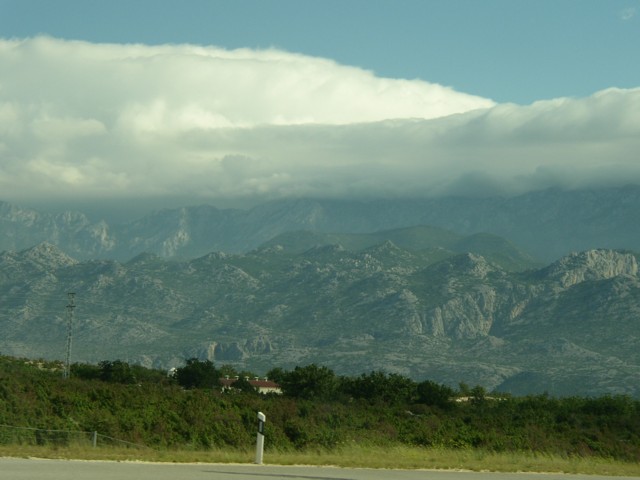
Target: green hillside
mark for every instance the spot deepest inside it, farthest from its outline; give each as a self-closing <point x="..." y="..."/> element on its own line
<point x="317" y="410"/>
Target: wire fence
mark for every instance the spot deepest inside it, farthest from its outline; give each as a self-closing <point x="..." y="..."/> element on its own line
<point x="12" y="435"/>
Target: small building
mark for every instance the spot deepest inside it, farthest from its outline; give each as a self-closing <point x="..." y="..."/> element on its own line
<point x="263" y="385"/>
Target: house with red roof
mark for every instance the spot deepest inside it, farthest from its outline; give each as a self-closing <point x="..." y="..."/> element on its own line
<point x="263" y="385"/>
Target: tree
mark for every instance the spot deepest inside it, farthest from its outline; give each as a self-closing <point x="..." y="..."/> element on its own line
<point x="464" y="390"/>
<point x="116" y="372"/>
<point x="310" y="382"/>
<point x="85" y="371"/>
<point x="227" y="370"/>
<point x="276" y="374"/>
<point x="431" y="393"/>
<point x="197" y="374"/>
<point x="149" y="375"/>
<point x="380" y="386"/>
<point x="242" y="384"/>
<point x="478" y="395"/>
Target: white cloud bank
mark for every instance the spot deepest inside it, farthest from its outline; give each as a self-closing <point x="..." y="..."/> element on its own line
<point x="133" y="121"/>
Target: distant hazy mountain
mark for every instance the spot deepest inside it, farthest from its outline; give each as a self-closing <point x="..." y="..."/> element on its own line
<point x="547" y="224"/>
<point x="572" y="327"/>
<point x="72" y="232"/>
<point x="434" y="242"/>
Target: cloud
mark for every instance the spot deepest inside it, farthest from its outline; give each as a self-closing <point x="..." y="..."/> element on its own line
<point x="100" y="121"/>
<point x="628" y="13"/>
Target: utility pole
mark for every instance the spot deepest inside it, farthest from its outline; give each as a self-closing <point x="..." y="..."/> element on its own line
<point x="70" y="306"/>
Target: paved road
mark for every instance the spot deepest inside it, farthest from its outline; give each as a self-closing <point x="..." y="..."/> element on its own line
<point x="31" y="469"/>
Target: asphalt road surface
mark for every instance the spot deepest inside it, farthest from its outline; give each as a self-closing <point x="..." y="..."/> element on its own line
<point x="35" y="469"/>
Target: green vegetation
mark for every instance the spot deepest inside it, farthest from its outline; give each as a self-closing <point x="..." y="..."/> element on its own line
<point x="318" y="412"/>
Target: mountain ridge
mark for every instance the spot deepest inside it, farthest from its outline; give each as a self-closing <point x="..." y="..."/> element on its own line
<point x="548" y="224"/>
<point x="460" y="318"/>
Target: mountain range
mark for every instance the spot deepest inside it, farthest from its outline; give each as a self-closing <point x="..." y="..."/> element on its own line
<point x="525" y="294"/>
<point x="422" y="301"/>
<point x="547" y="224"/>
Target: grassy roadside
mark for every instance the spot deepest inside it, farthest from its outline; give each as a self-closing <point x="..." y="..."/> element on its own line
<point x="399" y="457"/>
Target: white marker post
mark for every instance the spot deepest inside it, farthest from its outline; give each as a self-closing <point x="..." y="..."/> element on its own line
<point x="260" y="441"/>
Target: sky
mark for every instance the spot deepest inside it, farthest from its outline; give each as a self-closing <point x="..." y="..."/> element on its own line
<point x="162" y="103"/>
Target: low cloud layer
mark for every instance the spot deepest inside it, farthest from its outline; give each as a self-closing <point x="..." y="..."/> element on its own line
<point x="94" y="121"/>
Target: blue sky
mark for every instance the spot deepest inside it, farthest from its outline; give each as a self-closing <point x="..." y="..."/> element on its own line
<point x="508" y="50"/>
<point x="164" y="103"/>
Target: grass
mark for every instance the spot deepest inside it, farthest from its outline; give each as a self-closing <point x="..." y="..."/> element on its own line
<point x="399" y="457"/>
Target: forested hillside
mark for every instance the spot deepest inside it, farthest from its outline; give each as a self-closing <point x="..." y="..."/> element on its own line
<point x="318" y="409"/>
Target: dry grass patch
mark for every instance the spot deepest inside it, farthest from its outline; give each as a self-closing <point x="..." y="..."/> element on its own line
<point x="467" y="459"/>
<point x="397" y="457"/>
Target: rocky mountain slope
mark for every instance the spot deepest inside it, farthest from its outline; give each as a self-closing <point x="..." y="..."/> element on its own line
<point x="548" y="224"/>
<point x="571" y="327"/>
